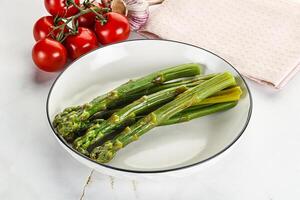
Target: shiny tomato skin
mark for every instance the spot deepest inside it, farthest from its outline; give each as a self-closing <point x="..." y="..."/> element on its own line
<point x="44" y="26"/>
<point x="81" y="43"/>
<point x="59" y="8"/>
<point x="116" y="29"/>
<point x="88" y="20"/>
<point x="49" y="55"/>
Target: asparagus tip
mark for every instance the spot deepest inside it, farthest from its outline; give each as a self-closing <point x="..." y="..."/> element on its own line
<point x="104" y="153"/>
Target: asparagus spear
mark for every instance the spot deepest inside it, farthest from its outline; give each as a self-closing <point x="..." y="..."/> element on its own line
<point x="71" y="119"/>
<point x="227" y="95"/>
<point x="222" y="99"/>
<point x="189" y="82"/>
<point x="188" y="114"/>
<point x="198" y="111"/>
<point x="167" y="85"/>
<point x="156" y="88"/>
<point x="99" y="131"/>
<point x="100" y="116"/>
<point x="107" y="151"/>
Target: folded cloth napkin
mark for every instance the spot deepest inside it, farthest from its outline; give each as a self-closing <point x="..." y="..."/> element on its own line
<point x="261" y="38"/>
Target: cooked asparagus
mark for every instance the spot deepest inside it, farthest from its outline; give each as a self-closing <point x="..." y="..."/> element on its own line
<point x="107" y="151"/>
<point x="99" y="131"/>
<point x="198" y="111"/>
<point x="73" y="119"/>
<point x="226" y="95"/>
<point x="191" y="81"/>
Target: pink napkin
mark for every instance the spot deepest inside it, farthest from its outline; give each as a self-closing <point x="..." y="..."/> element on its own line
<point x="261" y="38"/>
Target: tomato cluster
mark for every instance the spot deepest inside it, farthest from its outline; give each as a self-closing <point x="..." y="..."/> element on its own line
<point x="92" y="25"/>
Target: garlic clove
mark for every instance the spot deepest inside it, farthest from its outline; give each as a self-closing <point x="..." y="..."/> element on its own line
<point x="119" y="6"/>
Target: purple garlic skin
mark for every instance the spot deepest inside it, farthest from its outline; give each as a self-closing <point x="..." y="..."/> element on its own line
<point x="137" y="13"/>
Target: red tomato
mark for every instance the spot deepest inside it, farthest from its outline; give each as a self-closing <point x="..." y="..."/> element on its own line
<point x="59" y="7"/>
<point x="81" y="43"/>
<point x="115" y="30"/>
<point x="49" y="55"/>
<point x="88" y="20"/>
<point x="43" y="27"/>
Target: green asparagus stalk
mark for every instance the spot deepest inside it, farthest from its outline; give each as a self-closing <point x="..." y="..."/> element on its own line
<point x="195" y="112"/>
<point x="188" y="114"/>
<point x="129" y="112"/>
<point x="198" y="111"/>
<point x="131" y="97"/>
<point x="190" y="81"/>
<point x="227" y="95"/>
<point x="217" y="101"/>
<point x="100" y="116"/>
<point x="72" y="119"/>
<point x="97" y="133"/>
<point x="107" y="151"/>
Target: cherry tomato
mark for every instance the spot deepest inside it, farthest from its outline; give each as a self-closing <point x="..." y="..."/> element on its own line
<point x="49" y="55"/>
<point x="60" y="8"/>
<point x="81" y="43"/>
<point x="116" y="29"/>
<point x="44" y="26"/>
<point x="88" y="20"/>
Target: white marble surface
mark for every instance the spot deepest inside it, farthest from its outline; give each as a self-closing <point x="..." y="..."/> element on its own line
<point x="264" y="164"/>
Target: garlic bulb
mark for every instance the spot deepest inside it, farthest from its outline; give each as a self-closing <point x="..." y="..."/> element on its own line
<point x="137" y="11"/>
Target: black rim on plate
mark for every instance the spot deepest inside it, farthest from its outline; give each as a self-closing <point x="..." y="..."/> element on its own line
<point x="154" y="171"/>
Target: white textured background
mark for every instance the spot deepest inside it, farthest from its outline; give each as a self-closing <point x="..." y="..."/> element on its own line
<point x="264" y="164"/>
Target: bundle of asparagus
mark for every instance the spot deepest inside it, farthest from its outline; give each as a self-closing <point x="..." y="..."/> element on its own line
<point x="139" y="105"/>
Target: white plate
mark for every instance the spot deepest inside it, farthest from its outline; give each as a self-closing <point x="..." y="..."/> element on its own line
<point x="164" y="149"/>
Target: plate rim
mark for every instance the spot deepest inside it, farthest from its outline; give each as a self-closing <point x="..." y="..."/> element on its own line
<point x="153" y="171"/>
